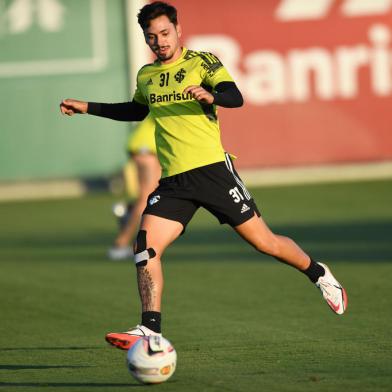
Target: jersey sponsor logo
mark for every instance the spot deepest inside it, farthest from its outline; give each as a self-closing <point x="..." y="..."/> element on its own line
<point x="180" y="75"/>
<point x="154" y="200"/>
<point x="172" y="97"/>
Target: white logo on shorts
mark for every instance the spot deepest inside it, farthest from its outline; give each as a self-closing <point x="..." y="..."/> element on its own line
<point x="244" y="208"/>
<point x="154" y="200"/>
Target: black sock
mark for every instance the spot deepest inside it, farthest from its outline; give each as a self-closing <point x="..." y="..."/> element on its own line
<point x="314" y="271"/>
<point x="152" y="320"/>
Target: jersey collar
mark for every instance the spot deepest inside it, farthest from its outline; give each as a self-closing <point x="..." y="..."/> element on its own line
<point x="184" y="50"/>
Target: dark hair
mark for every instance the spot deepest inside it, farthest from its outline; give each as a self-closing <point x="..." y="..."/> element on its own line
<point x="155" y="9"/>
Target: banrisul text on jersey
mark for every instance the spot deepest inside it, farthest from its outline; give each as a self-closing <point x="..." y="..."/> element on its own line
<point x="174" y="96"/>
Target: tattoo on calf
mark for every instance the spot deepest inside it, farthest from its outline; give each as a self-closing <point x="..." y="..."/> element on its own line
<point x="146" y="288"/>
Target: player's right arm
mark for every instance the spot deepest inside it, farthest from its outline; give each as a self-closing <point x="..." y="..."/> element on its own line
<point x="125" y="111"/>
<point x="73" y="106"/>
<point x="135" y="110"/>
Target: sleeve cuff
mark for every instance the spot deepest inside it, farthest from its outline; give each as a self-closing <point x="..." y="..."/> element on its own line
<point x="217" y="100"/>
<point x="94" y="108"/>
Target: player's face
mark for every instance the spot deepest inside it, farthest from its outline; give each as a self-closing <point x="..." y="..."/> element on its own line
<point x="163" y="38"/>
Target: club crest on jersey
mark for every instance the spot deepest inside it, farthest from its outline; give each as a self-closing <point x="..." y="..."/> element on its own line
<point x="180" y="75"/>
<point x="154" y="200"/>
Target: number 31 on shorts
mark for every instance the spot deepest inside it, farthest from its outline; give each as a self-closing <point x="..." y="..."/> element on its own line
<point x="236" y="195"/>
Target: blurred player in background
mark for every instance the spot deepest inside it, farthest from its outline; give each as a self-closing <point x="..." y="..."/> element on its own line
<point x="182" y="90"/>
<point x="142" y="151"/>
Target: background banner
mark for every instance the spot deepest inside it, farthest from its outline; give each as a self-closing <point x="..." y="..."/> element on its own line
<point x="316" y="77"/>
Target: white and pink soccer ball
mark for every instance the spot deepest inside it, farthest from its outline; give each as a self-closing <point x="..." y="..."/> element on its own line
<point x="152" y="360"/>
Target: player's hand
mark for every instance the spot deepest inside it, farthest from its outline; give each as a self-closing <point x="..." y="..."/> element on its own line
<point x="72" y="106"/>
<point x="200" y="94"/>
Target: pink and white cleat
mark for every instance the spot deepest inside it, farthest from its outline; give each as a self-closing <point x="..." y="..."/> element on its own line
<point x="332" y="291"/>
<point x="124" y="340"/>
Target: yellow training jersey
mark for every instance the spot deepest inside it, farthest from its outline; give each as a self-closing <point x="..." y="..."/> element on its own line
<point x="142" y="139"/>
<point x="187" y="133"/>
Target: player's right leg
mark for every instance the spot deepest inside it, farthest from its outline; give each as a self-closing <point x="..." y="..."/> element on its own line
<point x="148" y="174"/>
<point x="155" y="235"/>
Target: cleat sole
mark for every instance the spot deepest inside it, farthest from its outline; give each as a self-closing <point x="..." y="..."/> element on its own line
<point x="122" y="343"/>
<point x="345" y="300"/>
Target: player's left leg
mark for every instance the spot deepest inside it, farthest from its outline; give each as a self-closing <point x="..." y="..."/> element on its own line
<point x="258" y="234"/>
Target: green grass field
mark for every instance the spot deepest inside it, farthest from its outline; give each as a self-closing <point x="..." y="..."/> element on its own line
<point x="240" y="321"/>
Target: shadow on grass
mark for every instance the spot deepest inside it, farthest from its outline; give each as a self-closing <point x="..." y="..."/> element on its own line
<point x="48" y="348"/>
<point x="67" y="384"/>
<point x="38" y="367"/>
<point x="353" y="241"/>
<point x="359" y="241"/>
<point x="54" y="240"/>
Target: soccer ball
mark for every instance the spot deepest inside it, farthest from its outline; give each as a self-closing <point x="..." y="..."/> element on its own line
<point x="152" y="360"/>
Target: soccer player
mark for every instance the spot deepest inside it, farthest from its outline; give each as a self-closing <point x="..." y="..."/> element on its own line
<point x="142" y="151"/>
<point x="181" y="90"/>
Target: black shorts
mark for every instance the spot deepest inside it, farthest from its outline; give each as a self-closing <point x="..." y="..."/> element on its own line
<point x="216" y="187"/>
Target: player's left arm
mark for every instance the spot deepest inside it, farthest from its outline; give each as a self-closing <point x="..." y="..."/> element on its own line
<point x="217" y="86"/>
<point x="225" y="94"/>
